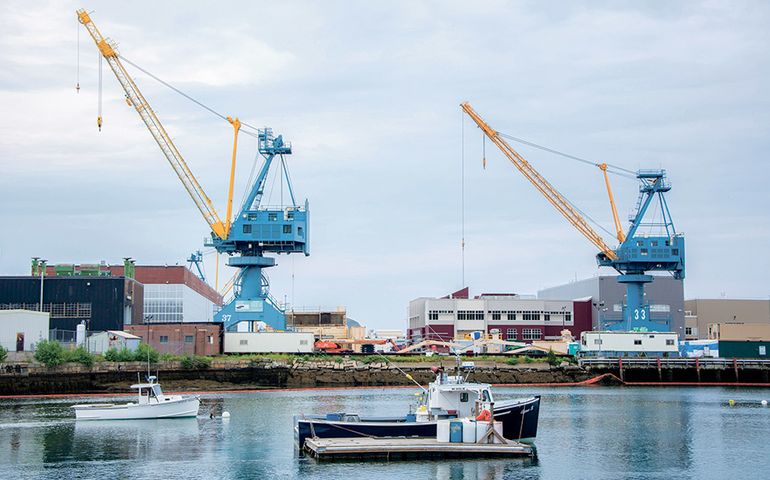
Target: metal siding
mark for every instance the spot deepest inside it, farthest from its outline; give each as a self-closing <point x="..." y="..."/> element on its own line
<point x="747" y="349"/>
<point x="106" y="295"/>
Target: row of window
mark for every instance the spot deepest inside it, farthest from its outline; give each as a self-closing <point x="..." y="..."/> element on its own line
<point x="57" y="310"/>
<point x="529" y="315"/>
<point x="188" y="339"/>
<point x="526" y="334"/>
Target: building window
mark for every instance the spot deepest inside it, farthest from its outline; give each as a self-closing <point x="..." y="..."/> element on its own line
<point x="567" y="316"/>
<point x="597" y="341"/>
<point x="272" y="217"/>
<point x="531" y="333"/>
<point x="432" y="315"/>
<point x="637" y="342"/>
<point x="247" y="228"/>
<point x="164" y="339"/>
<point x="189" y="339"/>
<point x="669" y="341"/>
<point x="470" y="315"/>
<point x="531" y="315"/>
<point x="511" y="315"/>
<point x="303" y="342"/>
<point x="210" y="339"/>
<point x="510" y="334"/>
<point x="546" y="316"/>
<point x="688" y="330"/>
<point x="287" y="229"/>
<point x="244" y="342"/>
<point x="495" y="315"/>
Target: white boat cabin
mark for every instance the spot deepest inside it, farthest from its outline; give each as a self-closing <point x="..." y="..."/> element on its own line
<point x="450" y="395"/>
<point x="150" y="392"/>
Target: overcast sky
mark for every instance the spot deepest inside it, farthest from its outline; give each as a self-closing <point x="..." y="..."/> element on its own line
<point x="368" y="94"/>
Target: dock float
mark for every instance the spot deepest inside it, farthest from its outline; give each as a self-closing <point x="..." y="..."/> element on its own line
<point x="414" y="447"/>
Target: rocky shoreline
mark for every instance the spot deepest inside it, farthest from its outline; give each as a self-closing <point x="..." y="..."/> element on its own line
<point x="112" y="377"/>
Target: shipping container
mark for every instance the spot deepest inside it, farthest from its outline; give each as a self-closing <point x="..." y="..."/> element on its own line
<point x="744" y="349"/>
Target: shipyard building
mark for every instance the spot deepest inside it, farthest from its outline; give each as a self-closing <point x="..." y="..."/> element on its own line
<point x="665" y="296"/>
<point x="517" y="318"/>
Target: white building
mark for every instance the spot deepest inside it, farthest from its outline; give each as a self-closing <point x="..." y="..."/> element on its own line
<point x="103" y="341"/>
<point x="20" y="330"/>
<point x="615" y="343"/>
<point x="269" y="342"/>
<point x="516" y="318"/>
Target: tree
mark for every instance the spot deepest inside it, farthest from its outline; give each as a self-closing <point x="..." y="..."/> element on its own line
<point x="3" y="353"/>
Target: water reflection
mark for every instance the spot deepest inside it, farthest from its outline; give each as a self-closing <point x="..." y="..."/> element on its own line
<point x="583" y="433"/>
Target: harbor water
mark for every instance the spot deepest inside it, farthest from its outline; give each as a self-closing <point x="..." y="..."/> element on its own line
<point x="592" y="432"/>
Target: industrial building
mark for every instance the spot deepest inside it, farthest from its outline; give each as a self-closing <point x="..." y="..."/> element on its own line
<point x="325" y="324"/>
<point x="517" y="318"/>
<point x="180" y="338"/>
<point x="20" y="330"/>
<point x="102" y="302"/>
<point x="701" y="313"/>
<point x="664" y="294"/>
<point x="173" y="294"/>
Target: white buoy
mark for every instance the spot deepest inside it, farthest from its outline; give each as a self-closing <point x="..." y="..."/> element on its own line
<point x="764" y="403"/>
<point x="225" y="414"/>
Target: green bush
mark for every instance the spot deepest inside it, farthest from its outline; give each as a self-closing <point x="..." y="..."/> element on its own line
<point x="79" y="355"/>
<point x="168" y="357"/>
<point x="145" y="351"/>
<point x="50" y="353"/>
<point x="3" y="353"/>
<point x="123" y="355"/>
<point x="552" y="358"/>
<point x="196" y="362"/>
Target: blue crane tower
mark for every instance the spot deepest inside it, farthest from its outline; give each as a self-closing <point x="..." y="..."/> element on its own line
<point x="638" y="252"/>
<point x="257" y="230"/>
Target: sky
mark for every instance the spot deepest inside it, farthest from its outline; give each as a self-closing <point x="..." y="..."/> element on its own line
<point x="368" y="94"/>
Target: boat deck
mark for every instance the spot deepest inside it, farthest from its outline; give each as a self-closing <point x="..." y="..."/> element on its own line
<point x="423" y="447"/>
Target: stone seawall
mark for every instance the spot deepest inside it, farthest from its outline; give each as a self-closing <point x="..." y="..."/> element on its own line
<point x="109" y="377"/>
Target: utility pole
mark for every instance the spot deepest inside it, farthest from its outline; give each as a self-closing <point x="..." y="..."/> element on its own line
<point x="42" y="277"/>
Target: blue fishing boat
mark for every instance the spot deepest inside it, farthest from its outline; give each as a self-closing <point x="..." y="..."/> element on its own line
<point x="449" y="396"/>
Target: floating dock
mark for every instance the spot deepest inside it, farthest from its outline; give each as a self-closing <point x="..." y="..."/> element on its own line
<point x="415" y="447"/>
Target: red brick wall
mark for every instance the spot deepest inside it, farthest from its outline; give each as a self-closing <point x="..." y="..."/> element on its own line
<point x="174" y="274"/>
<point x="176" y="332"/>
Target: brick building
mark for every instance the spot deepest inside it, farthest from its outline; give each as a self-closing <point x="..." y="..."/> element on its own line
<point x="180" y="338"/>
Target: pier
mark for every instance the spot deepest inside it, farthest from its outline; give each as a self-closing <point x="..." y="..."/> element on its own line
<point x="406" y="448"/>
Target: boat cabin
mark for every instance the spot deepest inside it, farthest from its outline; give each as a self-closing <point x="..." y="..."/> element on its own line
<point x="149" y="392"/>
<point x="450" y="396"/>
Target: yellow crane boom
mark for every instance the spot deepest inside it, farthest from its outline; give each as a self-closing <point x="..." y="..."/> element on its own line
<point x="136" y="99"/>
<point x="549" y="192"/>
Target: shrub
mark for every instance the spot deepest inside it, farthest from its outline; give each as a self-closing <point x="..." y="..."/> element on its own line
<point x="49" y="352"/>
<point x="196" y="362"/>
<point x="145" y="351"/>
<point x="79" y="355"/>
<point x="3" y="353"/>
<point x="167" y="357"/>
<point x="123" y="355"/>
<point x="552" y="358"/>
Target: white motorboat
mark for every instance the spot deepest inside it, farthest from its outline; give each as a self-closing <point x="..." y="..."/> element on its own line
<point x="151" y="403"/>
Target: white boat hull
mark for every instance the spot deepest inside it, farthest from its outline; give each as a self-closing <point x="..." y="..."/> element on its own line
<point x="173" y="408"/>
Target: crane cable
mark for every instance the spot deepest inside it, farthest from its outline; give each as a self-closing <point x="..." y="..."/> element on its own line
<point x="200" y="104"/>
<point x="620" y="170"/>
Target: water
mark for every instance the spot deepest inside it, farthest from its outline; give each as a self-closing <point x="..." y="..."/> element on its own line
<point x="596" y="433"/>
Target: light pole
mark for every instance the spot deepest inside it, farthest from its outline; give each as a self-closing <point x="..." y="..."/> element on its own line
<point x="42" y="276"/>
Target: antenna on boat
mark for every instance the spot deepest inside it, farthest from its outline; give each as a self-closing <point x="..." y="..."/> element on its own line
<point x="403" y="372"/>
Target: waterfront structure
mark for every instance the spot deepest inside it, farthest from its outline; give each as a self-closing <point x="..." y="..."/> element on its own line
<point x="182" y="338"/>
<point x="515" y="317"/>
<point x="119" y="340"/>
<point x="20" y="330"/>
<point x="702" y="312"/>
<point x="665" y="296"/>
